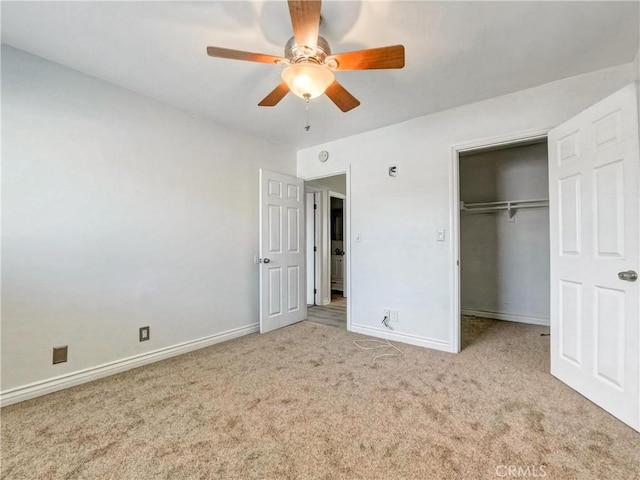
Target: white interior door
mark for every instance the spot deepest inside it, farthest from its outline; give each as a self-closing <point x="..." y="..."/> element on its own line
<point x="282" y="263"/>
<point x="311" y="247"/>
<point x="594" y="214"/>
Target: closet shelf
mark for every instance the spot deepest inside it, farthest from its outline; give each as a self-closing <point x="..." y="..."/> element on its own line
<point x="509" y="205"/>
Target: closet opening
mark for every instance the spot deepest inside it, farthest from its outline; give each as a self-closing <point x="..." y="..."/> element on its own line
<point x="503" y="238"/>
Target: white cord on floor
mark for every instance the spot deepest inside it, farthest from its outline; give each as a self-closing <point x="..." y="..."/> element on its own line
<point x="380" y="344"/>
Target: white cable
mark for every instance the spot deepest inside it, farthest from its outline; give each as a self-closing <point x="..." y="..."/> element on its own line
<point x="380" y="344"/>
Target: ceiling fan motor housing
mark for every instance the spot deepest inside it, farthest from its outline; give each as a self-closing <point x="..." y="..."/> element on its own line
<point x="296" y="54"/>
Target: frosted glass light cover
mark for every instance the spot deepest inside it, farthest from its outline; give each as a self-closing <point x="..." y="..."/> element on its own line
<point x="307" y="79"/>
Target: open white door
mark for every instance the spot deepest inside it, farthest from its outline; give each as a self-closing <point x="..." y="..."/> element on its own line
<point x="594" y="169"/>
<point x="282" y="267"/>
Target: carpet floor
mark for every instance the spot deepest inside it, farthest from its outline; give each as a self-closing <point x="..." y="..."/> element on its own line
<point x="304" y="402"/>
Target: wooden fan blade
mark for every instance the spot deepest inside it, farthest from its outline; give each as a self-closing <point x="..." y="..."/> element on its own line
<point x="305" y="18"/>
<point x="275" y="96"/>
<point x="240" y="55"/>
<point x="373" y="58"/>
<point x="341" y="97"/>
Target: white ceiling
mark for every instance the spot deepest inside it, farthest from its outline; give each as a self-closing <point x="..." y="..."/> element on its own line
<point x="456" y="53"/>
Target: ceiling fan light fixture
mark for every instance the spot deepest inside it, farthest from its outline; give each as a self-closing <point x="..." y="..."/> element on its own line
<point x="309" y="64"/>
<point x="307" y="80"/>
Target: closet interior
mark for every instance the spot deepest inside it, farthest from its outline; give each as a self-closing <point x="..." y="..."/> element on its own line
<point x="504" y="233"/>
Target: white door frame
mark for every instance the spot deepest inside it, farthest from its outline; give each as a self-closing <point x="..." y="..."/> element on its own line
<point x="454" y="227"/>
<point x="342" y="197"/>
<point x="347" y="236"/>
<point x="317" y="240"/>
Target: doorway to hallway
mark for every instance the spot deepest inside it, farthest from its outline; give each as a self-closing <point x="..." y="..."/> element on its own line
<point x="327" y="250"/>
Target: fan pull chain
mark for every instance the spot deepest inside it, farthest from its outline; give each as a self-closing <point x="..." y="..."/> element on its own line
<point x="306" y="101"/>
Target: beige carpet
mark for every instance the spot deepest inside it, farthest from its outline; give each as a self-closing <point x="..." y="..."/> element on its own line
<point x="305" y="403"/>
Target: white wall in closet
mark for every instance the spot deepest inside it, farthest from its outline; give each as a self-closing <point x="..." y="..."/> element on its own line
<point x="505" y="261"/>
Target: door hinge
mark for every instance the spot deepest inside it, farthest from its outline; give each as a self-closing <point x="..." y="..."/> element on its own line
<point x="315" y="207"/>
<point x="315" y="249"/>
<point x="315" y="290"/>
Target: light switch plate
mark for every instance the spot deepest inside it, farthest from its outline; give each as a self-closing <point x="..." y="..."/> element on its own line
<point x="440" y="236"/>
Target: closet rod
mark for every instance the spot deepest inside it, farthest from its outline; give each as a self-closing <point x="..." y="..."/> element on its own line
<point x="510" y="205"/>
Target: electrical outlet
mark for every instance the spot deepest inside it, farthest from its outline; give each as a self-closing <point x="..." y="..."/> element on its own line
<point x="144" y="334"/>
<point x="394" y="316"/>
<point x="60" y="354"/>
<point x="386" y="319"/>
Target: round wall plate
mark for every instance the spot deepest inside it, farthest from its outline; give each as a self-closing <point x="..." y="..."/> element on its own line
<point x="323" y="156"/>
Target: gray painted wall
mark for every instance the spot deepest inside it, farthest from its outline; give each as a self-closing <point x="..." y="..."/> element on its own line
<point x="119" y="211"/>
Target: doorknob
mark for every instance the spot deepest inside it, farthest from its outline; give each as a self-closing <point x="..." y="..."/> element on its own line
<point x="266" y="260"/>
<point x="629" y="276"/>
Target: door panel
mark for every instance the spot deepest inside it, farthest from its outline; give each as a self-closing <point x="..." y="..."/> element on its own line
<point x="293" y="224"/>
<point x="293" y="281"/>
<point x="282" y="267"/>
<point x="274" y="275"/>
<point x="609" y="200"/>
<point x="570" y="328"/>
<point x="609" y="325"/>
<point x="594" y="168"/>
<point x="274" y="226"/>
<point x="570" y="232"/>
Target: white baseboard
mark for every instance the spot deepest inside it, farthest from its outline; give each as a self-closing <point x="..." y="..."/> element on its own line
<point x="51" y="385"/>
<point x="505" y="316"/>
<point x="402" y="337"/>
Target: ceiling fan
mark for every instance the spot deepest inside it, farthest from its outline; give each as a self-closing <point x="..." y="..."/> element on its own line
<point x="309" y="63"/>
